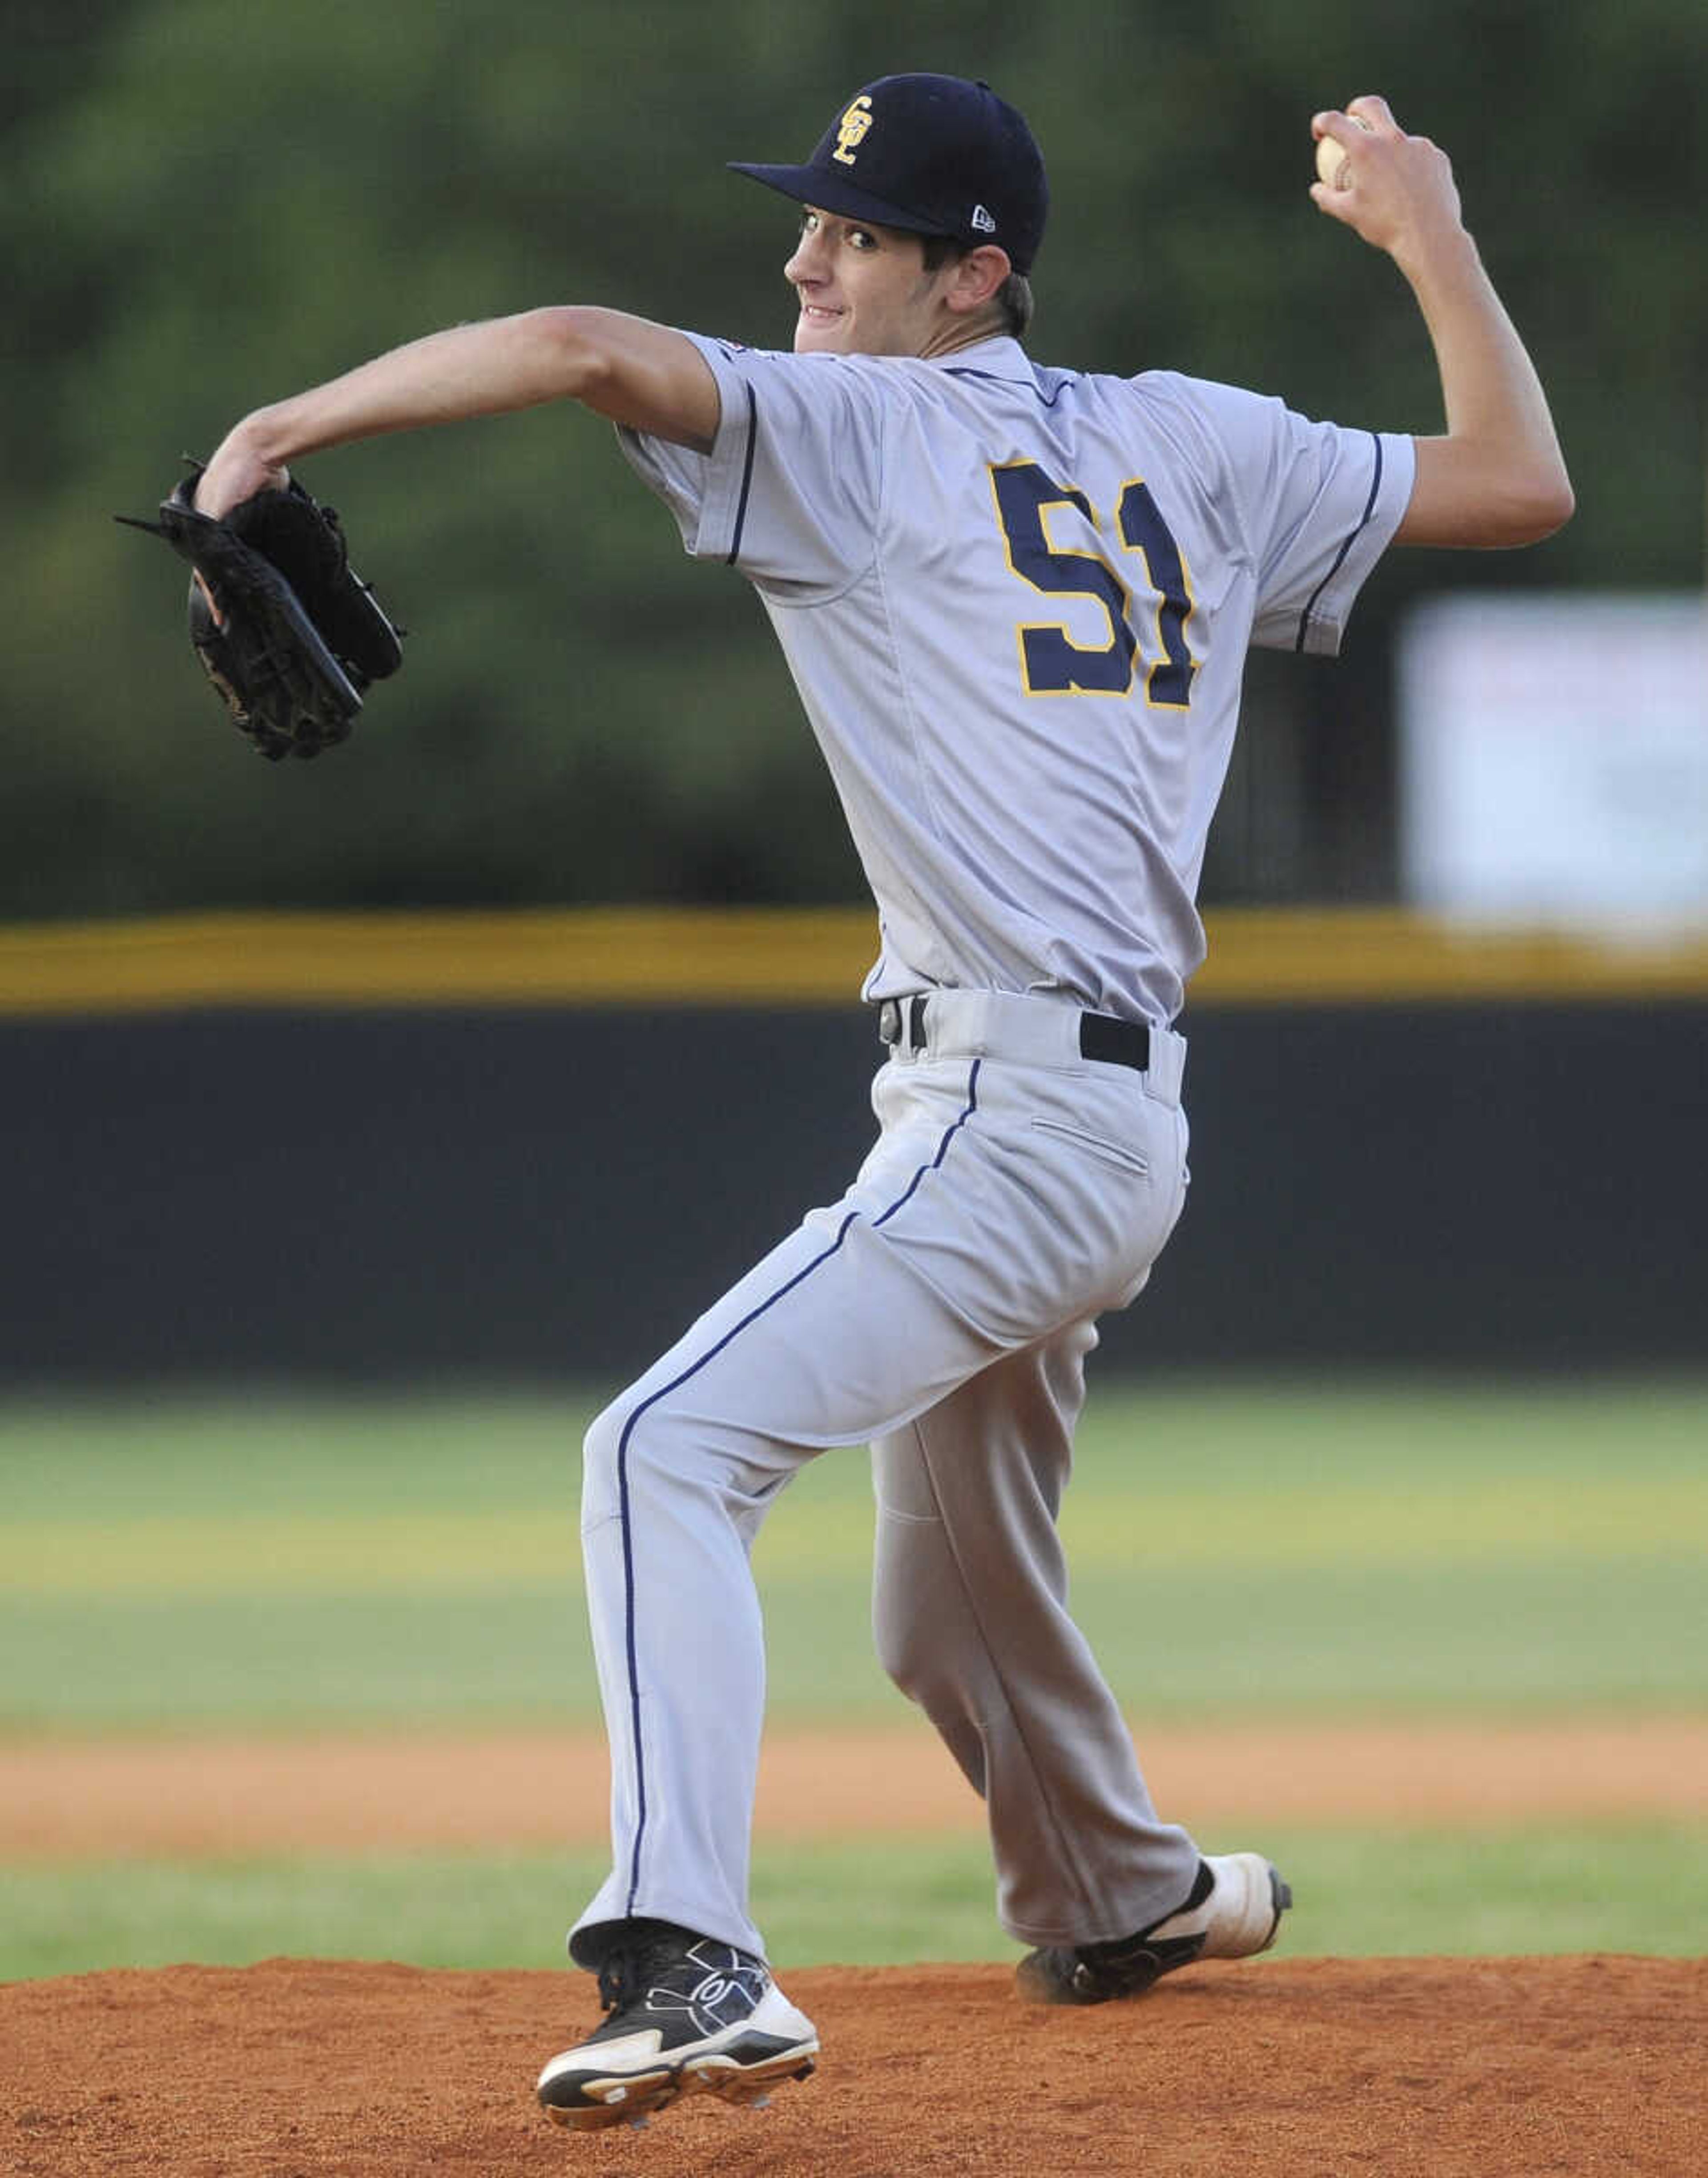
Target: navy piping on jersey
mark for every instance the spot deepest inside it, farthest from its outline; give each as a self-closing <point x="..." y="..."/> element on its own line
<point x="1340" y="556"/>
<point x="747" y="475"/>
<point x="996" y="378"/>
<point x="664" y="1390"/>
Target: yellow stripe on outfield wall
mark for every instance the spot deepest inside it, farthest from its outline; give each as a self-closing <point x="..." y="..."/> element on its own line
<point x="590" y="956"/>
<point x="756" y="957"/>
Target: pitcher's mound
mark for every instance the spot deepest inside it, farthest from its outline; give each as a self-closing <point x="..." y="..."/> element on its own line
<point x="1311" y="2069"/>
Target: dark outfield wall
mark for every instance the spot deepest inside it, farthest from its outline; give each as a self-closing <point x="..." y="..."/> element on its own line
<point x="546" y="1193"/>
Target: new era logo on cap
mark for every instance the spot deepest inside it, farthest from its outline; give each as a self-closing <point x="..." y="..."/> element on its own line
<point x="931" y="155"/>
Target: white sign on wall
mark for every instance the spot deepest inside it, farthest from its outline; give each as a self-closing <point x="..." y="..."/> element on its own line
<point x="1554" y="758"/>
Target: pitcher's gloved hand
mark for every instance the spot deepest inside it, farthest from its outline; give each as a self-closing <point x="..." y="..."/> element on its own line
<point x="287" y="631"/>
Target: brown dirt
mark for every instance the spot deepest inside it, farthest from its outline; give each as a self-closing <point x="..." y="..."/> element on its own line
<point x="1305" y="2069"/>
<point x="114" y="1798"/>
<point x="1316" y="2069"/>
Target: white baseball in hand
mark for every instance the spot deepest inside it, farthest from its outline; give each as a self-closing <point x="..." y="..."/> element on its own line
<point x="1331" y="157"/>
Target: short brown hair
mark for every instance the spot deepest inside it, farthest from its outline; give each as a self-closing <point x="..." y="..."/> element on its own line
<point x="1013" y="298"/>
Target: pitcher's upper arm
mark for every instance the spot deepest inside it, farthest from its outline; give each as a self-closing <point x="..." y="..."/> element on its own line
<point x="1460" y="497"/>
<point x="644" y="375"/>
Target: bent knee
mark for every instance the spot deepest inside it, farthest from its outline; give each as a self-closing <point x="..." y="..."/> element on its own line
<point x="610" y="1452"/>
<point x="908" y="1634"/>
<point x="645" y="1448"/>
<point x="601" y="1452"/>
<point x="905" y="1660"/>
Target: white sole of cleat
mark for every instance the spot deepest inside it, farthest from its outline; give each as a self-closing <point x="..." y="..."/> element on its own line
<point x="748" y="2084"/>
<point x="633" y="2100"/>
<point x="618" y="2101"/>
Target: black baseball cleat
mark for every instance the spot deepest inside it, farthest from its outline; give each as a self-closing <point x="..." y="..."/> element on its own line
<point x="1233" y="1911"/>
<point x="684" y="2014"/>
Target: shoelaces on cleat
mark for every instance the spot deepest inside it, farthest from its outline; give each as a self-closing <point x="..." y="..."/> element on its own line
<point x="629" y="1972"/>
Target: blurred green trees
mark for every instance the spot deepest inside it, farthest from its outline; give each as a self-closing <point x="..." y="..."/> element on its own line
<point x="204" y="208"/>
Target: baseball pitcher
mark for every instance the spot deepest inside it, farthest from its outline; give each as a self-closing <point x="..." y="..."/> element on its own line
<point x="1015" y="601"/>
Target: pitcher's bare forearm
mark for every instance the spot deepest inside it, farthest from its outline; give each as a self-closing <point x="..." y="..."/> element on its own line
<point x="1500" y="457"/>
<point x="1496" y="476"/>
<point x="623" y="368"/>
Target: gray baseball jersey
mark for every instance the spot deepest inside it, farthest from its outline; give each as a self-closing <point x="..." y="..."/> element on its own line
<point x="1016" y="603"/>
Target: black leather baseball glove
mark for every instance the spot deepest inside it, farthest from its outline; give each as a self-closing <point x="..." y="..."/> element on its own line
<point x="287" y="631"/>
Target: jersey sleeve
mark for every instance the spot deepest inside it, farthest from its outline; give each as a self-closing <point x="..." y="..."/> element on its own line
<point x="790" y="491"/>
<point x="1320" y="504"/>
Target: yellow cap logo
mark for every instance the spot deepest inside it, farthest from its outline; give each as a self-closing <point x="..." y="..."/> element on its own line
<point x="851" y="130"/>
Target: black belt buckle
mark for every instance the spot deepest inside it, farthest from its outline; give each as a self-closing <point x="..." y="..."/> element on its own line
<point x="1117" y="1042"/>
<point x="893" y="1024"/>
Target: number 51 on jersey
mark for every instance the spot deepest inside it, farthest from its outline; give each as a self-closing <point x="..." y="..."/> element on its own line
<point x="1052" y="664"/>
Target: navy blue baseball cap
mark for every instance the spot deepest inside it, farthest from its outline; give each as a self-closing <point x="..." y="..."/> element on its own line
<point x="930" y="154"/>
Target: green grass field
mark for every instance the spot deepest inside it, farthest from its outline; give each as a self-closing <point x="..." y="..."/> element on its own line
<point x="172" y="1565"/>
<point x="1359" y="1895"/>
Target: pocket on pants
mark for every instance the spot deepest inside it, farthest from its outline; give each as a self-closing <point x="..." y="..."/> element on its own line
<point x="1120" y="1157"/>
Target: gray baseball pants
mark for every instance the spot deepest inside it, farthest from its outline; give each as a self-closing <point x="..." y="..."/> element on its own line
<point x="943" y="1311"/>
